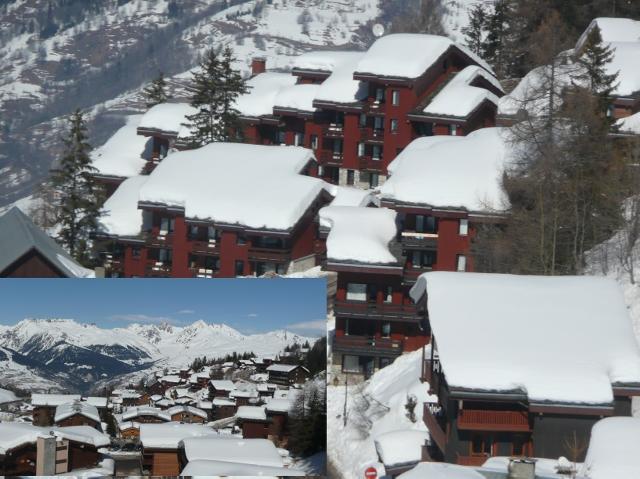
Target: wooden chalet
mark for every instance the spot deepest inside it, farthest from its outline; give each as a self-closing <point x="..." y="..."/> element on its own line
<point x="223" y="408"/>
<point x="77" y="414"/>
<point x="253" y="422"/>
<point x="288" y="374"/>
<point x="44" y="407"/>
<point x="187" y="414"/>
<point x="220" y="388"/>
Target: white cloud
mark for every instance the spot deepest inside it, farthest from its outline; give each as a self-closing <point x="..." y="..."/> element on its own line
<point x="186" y="311"/>
<point x="142" y="318"/>
<point x="252" y="315"/>
<point x="319" y="325"/>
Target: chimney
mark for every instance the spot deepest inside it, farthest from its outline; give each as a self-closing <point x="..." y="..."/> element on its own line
<point x="258" y="65"/>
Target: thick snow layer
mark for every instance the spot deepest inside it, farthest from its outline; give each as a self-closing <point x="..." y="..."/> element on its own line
<point x="614" y="449"/>
<point x="451" y="171"/>
<point x="340" y="87"/>
<point x="222" y="384"/>
<point x="380" y="404"/>
<point x="565" y="358"/>
<point x="263" y="90"/>
<point x="261" y="452"/>
<point x="207" y="468"/>
<point x="459" y="98"/>
<point x="297" y="97"/>
<point x="64" y="411"/>
<point x="187" y="409"/>
<point x="283" y="368"/>
<point x="613" y="30"/>
<point x="351" y="196"/>
<point x="625" y="63"/>
<point x="14" y="434"/>
<point x="169" y="435"/>
<point x="396" y="448"/>
<point x="96" y="401"/>
<point x="53" y="399"/>
<point x="206" y="183"/>
<point x="134" y="412"/>
<point x="125" y="153"/>
<point x="360" y="235"/>
<point x="166" y="117"/>
<point x="408" y="55"/>
<point x="83" y="434"/>
<point x="256" y="413"/>
<point x="219" y="402"/>
<point x="324" y="61"/>
<point x="630" y="124"/>
<point x="120" y="213"/>
<point x="544" y="467"/>
<point x="278" y="405"/>
<point x="439" y="470"/>
<point x="7" y="396"/>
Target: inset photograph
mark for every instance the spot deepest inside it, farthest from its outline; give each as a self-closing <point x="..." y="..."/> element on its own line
<point x="163" y="377"/>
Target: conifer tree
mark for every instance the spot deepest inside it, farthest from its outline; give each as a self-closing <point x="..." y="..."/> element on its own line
<point x="493" y="47"/>
<point x="474" y="32"/>
<point x="78" y="194"/>
<point x="213" y="93"/>
<point x="156" y="92"/>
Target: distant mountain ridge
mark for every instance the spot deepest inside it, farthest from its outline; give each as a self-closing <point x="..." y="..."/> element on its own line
<point x="74" y="356"/>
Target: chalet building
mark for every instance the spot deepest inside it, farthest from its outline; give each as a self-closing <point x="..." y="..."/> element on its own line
<point x="28" y="252"/>
<point x="223" y="408"/>
<point x="187" y="414"/>
<point x="161" y="446"/>
<point x="277" y="411"/>
<point x="146" y="415"/>
<point x="44" y="407"/>
<point x="220" y="388"/>
<point x="23" y="450"/>
<point x="129" y="429"/>
<point x="287" y="374"/>
<point x="253" y="422"/>
<point x="188" y="218"/>
<point x="77" y="414"/>
<point x="499" y="394"/>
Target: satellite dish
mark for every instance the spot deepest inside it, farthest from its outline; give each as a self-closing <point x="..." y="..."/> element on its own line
<point x="378" y="30"/>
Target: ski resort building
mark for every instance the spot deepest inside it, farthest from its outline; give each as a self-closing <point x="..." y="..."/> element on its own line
<point x="77" y="414"/>
<point x="287" y="374"/>
<point x="521" y="366"/>
<point x="190" y="218"/>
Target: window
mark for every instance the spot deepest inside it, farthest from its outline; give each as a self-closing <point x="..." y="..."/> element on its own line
<point x="386" y="330"/>
<point x="356" y="292"/>
<point x="346" y="327"/>
<point x="241" y="239"/>
<point x="379" y="94"/>
<point x="480" y="445"/>
<point x="453" y="130"/>
<point x="135" y="252"/>
<point x="395" y="97"/>
<point x="314" y="142"/>
<point x="423" y="259"/>
<point x="350" y="177"/>
<point x="463" y="227"/>
<point x="461" y="263"/>
<point x="426" y="224"/>
<point x="337" y="147"/>
<point x="167" y="225"/>
<point x="298" y="139"/>
<point x="374" y="179"/>
<point x="212" y="233"/>
<point x="361" y="149"/>
<point x="363" y="120"/>
<point x="281" y="138"/>
<point x="372" y="293"/>
<point x="351" y="364"/>
<point x="518" y="444"/>
<point x="384" y="362"/>
<point x="376" y="152"/>
<point x="193" y="231"/>
<point x="164" y="255"/>
<point x="389" y="296"/>
<point x="394" y="125"/>
<point x="239" y="267"/>
<point x="378" y="123"/>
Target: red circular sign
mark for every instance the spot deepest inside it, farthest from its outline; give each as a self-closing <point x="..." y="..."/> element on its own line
<point x="370" y="473"/>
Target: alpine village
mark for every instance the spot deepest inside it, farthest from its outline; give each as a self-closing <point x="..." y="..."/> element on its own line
<point x="472" y="201"/>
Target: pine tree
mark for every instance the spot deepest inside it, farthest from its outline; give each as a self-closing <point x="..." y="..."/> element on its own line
<point x="156" y="92"/>
<point x="214" y="92"/>
<point x="594" y="58"/>
<point x="474" y="32"/>
<point x="494" y="45"/>
<point x="78" y="194"/>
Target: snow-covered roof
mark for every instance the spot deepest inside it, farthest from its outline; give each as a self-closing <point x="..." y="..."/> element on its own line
<point x="205" y="182"/>
<point x="222" y="384"/>
<point x="246" y="393"/>
<point x="284" y="368"/>
<point x="459" y="98"/>
<point x="630" y="124"/>
<point x="7" y="396"/>
<point x="323" y="61"/>
<point x="171" y="378"/>
<point x="340" y="87"/>
<point x="441" y="470"/>
<point x="169" y="435"/>
<point x="53" y="399"/>
<point x="166" y="117"/>
<point x="408" y="55"/>
<point x="614" y="449"/>
<point x="97" y="401"/>
<point x="132" y="412"/>
<point x="15" y="434"/>
<point x="613" y="30"/>
<point x="205" y="405"/>
<point x="581" y="343"/>
<point x="360" y="235"/>
<point x="402" y="447"/>
<point x="120" y="213"/>
<point x="261" y="452"/>
<point x="210" y="468"/>
<point x="278" y="405"/>
<point x="296" y="97"/>
<point x="122" y="426"/>
<point x="218" y="402"/>
<point x="263" y="89"/>
<point x="64" y="411"/>
<point x="186" y="409"/>
<point x="256" y="413"/>
<point x="350" y="196"/>
<point x="124" y="154"/>
<point x="461" y="172"/>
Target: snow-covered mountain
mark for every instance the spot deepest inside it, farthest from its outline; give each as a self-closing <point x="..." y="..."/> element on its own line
<point x="62" y="352"/>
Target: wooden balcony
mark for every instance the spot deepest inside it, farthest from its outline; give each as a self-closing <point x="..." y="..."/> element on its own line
<point x="431" y="374"/>
<point x="158" y="240"/>
<point x="430" y="416"/>
<point x="483" y="420"/>
<point x="375" y="106"/>
<point x="333" y="131"/>
<point x="276" y="255"/>
<point x="157" y="269"/>
<point x="415" y="240"/>
<point x="368" y="345"/>
<point x="478" y="460"/>
<point x="368" y="163"/>
<point x="372" y="135"/>
<point x="205" y="247"/>
<point x="202" y="272"/>
<point x="374" y="310"/>
<point x="411" y="275"/>
<point x="330" y="158"/>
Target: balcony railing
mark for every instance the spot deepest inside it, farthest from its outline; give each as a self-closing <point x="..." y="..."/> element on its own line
<point x="333" y="131"/>
<point x="431" y="416"/>
<point x="375" y="310"/>
<point x="411" y="274"/>
<point x="413" y="239"/>
<point x="201" y="272"/>
<point x="157" y="269"/>
<point x="277" y="255"/>
<point x="431" y="374"/>
<point x="367" y="344"/>
<point x="372" y="134"/>
<point x="330" y="158"/>
<point x="483" y="420"/>
<point x="211" y="247"/>
<point x="158" y="239"/>
<point x="370" y="163"/>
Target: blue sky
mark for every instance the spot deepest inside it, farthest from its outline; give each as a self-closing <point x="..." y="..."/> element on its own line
<point x="248" y="305"/>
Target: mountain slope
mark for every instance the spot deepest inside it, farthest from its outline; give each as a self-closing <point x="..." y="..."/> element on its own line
<point x="72" y="355"/>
